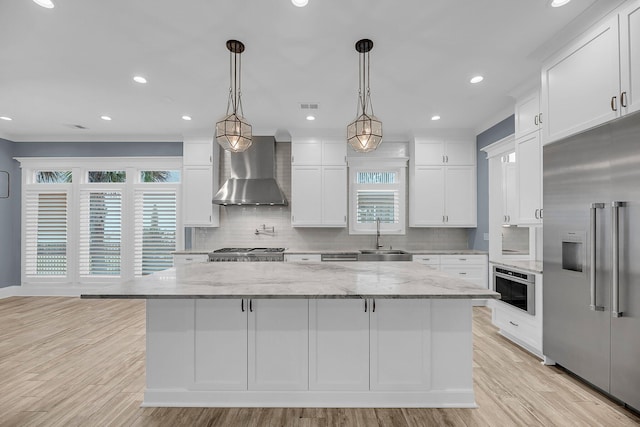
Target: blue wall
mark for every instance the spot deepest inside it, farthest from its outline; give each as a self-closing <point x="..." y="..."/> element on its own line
<point x="489" y="136"/>
<point x="10" y="219"/>
<point x="10" y="215"/>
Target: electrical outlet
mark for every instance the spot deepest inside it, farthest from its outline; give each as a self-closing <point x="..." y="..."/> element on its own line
<point x="486" y="236"/>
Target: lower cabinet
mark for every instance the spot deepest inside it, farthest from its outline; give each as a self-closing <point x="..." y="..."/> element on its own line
<point x="472" y="268"/>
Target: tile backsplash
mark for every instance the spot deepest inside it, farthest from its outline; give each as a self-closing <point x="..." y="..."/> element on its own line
<point x="238" y="225"/>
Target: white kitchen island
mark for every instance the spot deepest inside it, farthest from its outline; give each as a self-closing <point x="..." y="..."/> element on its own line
<point x="326" y="334"/>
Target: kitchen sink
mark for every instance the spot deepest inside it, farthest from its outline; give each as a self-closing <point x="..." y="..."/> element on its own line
<point x="384" y="255"/>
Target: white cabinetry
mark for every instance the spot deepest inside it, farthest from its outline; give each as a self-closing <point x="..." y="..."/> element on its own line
<point x="594" y="79"/>
<point x="472" y="268"/>
<point x="318" y="183"/>
<point x="199" y="182"/>
<point x="302" y="257"/>
<point x="283" y="366"/>
<point x="189" y="258"/>
<point x="509" y="190"/>
<point x="400" y="360"/>
<point x="528" y="117"/>
<point x="529" y="179"/>
<point x="442" y="183"/>
<point x="338" y="361"/>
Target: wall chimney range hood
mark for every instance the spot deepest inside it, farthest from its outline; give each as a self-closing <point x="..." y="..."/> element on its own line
<point x="252" y="180"/>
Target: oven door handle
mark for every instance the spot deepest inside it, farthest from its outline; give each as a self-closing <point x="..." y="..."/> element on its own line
<point x="514" y="279"/>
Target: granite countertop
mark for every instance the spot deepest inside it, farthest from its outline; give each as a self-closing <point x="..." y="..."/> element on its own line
<point x="296" y="251"/>
<point x="295" y="280"/>
<point x="527" y="265"/>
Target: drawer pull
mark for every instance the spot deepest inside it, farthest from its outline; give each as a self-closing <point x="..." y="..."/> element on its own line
<point x="304" y="259"/>
<point x="188" y="259"/>
<point x="462" y="259"/>
<point x="513" y="323"/>
<point x="462" y="273"/>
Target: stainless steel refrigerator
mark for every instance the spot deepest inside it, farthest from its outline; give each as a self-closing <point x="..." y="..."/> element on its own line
<point x="591" y="301"/>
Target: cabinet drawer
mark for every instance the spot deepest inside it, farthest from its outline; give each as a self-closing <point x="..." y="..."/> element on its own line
<point x="518" y="325"/>
<point x="302" y="257"/>
<point x="467" y="272"/>
<point x="190" y="258"/>
<point x="432" y="260"/>
<point x="463" y="259"/>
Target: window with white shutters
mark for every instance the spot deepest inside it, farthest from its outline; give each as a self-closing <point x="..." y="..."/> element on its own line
<point x="46" y="233"/>
<point x="100" y="233"/>
<point x="155" y="231"/>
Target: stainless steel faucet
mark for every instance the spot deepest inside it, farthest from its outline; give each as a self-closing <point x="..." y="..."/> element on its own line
<point x="378" y="245"/>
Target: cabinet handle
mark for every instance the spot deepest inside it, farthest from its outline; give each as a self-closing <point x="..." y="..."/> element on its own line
<point x="291" y="159"/>
<point x="443" y="159"/>
<point x="508" y="218"/>
<point x="462" y="273"/>
<point x="535" y="120"/>
<point x="251" y="305"/>
<point x="541" y="216"/>
<point x="447" y="156"/>
<point x="536" y="214"/>
<point x="540" y="118"/>
<point x="504" y="218"/>
<point x="462" y="259"/>
<point x="188" y="259"/>
<point x="442" y="218"/>
<point x="210" y="159"/>
<point x="374" y="305"/>
<point x="305" y="259"/>
<point x="447" y="218"/>
<point x="345" y="218"/>
<point x="513" y="323"/>
<point x="365" y="305"/>
<point x="623" y="99"/>
<point x="209" y="218"/>
<point x="242" y="305"/>
<point x="614" y="106"/>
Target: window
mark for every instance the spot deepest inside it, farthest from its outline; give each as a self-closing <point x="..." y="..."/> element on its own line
<point x="46" y="222"/>
<point x="99" y="220"/>
<point x="377" y="191"/>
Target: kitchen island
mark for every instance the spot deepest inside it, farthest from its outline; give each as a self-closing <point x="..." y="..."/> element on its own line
<point x="330" y="334"/>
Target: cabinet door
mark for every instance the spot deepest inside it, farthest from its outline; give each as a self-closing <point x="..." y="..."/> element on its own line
<point x="334" y="153"/>
<point x="460" y="196"/>
<point x="426" y="202"/>
<point x="197" y="193"/>
<point x="197" y="153"/>
<point x="334" y="196"/>
<point x="221" y="344"/>
<point x="278" y="344"/>
<point x="400" y="344"/>
<point x="581" y="85"/>
<point x="460" y="152"/>
<point x="306" y="188"/>
<point x="529" y="178"/>
<point x="527" y="114"/>
<point x="509" y="193"/>
<point x="338" y="344"/>
<point x="630" y="57"/>
<point x="428" y="152"/>
<point x="306" y="152"/>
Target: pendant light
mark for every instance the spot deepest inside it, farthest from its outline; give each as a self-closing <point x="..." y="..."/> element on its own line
<point x="365" y="132"/>
<point x="233" y="132"/>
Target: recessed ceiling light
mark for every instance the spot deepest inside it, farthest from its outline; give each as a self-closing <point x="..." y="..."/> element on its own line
<point x="476" y="79"/>
<point x="44" y="3"/>
<point x="436" y="117"/>
<point x="311" y="118"/>
<point x="139" y="79"/>
<point x="558" y="3"/>
<point x="107" y="118"/>
<point x="300" y="3"/>
<point x="6" y="118"/>
<point x="187" y="118"/>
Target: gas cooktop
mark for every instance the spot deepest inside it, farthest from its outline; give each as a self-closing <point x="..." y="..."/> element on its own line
<point x="247" y="250"/>
<point x="247" y="254"/>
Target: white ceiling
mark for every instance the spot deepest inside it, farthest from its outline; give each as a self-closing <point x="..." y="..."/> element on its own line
<point x="71" y="64"/>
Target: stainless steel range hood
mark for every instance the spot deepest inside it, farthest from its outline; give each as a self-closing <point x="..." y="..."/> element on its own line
<point x="252" y="180"/>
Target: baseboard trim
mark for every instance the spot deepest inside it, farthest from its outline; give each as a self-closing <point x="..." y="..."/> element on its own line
<point x="9" y="291"/>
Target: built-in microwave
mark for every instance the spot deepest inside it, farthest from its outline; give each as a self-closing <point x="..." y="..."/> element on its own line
<point x="516" y="288"/>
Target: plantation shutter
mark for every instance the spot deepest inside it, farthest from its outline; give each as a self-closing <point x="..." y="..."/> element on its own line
<point x="46" y="228"/>
<point x="100" y="233"/>
<point x="373" y="204"/>
<point x="155" y="230"/>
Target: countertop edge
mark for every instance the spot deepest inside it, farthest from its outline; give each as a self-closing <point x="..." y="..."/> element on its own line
<point x="363" y="296"/>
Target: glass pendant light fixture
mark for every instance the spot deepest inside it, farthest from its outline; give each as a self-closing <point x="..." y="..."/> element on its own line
<point x="365" y="132"/>
<point x="233" y="132"/>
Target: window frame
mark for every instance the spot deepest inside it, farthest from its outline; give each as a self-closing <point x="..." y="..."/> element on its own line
<point x="397" y="166"/>
<point x="80" y="166"/>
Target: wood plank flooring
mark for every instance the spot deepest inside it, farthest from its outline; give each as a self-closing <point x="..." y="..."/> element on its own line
<point x="72" y="362"/>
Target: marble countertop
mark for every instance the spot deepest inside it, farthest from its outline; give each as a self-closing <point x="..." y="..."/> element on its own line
<point x="527" y="265"/>
<point x="295" y="280"/>
<point x="295" y="251"/>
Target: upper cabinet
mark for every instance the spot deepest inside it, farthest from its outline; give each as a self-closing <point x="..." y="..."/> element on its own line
<point x="318" y="183"/>
<point x="442" y="182"/>
<point x="199" y="182"/>
<point x="594" y="79"/>
<point x="529" y="179"/>
<point x="528" y="117"/>
<point x="509" y="188"/>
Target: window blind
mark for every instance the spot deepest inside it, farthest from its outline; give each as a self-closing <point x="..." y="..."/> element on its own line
<point x="155" y="232"/>
<point x="100" y="233"/>
<point x="46" y="222"/>
<point x="373" y="204"/>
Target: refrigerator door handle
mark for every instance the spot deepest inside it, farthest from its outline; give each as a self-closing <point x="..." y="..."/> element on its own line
<point x="615" y="257"/>
<point x="592" y="255"/>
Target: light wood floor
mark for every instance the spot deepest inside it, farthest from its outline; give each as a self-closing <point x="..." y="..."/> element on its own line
<point x="68" y="362"/>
